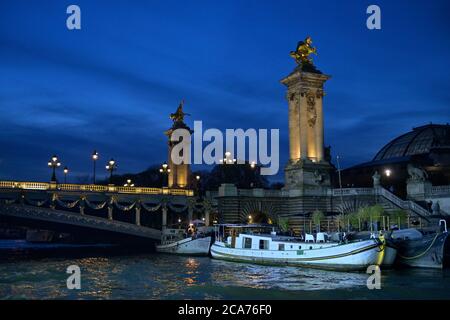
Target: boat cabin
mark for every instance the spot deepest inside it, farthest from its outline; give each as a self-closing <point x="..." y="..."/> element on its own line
<point x="264" y="237"/>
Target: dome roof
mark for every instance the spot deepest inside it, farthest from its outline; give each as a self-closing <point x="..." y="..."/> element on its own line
<point x="418" y="141"/>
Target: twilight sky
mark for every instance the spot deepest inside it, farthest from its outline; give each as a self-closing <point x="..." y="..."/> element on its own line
<point x="111" y="85"/>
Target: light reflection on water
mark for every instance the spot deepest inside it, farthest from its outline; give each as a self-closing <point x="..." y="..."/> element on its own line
<point x="154" y="276"/>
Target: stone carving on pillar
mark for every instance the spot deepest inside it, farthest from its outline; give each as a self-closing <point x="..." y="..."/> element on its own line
<point x="319" y="177"/>
<point x="417" y="185"/>
<point x="312" y="112"/>
<point x="376" y="179"/>
<point x="416" y="174"/>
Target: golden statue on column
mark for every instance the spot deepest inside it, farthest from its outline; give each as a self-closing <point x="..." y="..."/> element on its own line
<point x="303" y="52"/>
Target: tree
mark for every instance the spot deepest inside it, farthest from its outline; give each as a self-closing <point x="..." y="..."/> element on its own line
<point x="354" y="220"/>
<point x="341" y="221"/>
<point x="317" y="216"/>
<point x="363" y="216"/>
<point x="375" y="213"/>
<point x="283" y="223"/>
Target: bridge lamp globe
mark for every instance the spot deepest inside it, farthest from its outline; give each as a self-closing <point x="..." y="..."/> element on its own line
<point x="387" y="172"/>
<point x="66" y="170"/>
<point x="197" y="178"/>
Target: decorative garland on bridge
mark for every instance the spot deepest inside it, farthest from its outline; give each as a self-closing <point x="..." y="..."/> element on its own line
<point x="121" y="207"/>
<point x="68" y="205"/>
<point x="149" y="208"/>
<point x="95" y="206"/>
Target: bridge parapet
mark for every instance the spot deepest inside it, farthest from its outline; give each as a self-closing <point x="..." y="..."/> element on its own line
<point x="43" y="186"/>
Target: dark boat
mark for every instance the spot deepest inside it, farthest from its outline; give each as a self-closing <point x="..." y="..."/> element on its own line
<point x="423" y="249"/>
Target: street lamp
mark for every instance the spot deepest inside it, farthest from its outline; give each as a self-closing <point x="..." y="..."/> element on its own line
<point x="128" y="184"/>
<point x="387" y="172"/>
<point x="165" y="170"/>
<point x="54" y="163"/>
<point x="94" y="159"/>
<point x="253" y="167"/>
<point x="111" y="166"/>
<point x="227" y="159"/>
<point x="66" y="171"/>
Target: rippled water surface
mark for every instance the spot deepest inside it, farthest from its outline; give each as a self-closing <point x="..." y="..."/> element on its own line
<point x="157" y="276"/>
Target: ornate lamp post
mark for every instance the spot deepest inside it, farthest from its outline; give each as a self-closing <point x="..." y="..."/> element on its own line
<point x="111" y="166"/>
<point x="54" y="163"/>
<point x="66" y="171"/>
<point x="94" y="159"/>
<point x="128" y="183"/>
<point x="165" y="170"/>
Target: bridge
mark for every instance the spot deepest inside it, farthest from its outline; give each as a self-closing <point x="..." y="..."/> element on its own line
<point x="125" y="212"/>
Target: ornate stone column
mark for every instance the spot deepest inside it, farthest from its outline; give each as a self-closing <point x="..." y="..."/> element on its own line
<point x="306" y="137"/>
<point x="179" y="173"/>
<point x="294" y="128"/>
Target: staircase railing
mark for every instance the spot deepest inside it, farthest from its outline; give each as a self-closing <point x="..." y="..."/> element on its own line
<point x="404" y="204"/>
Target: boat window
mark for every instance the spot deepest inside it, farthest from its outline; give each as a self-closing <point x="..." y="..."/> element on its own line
<point x="247" y="243"/>
<point x="281" y="246"/>
<point x="310" y="248"/>
<point x="264" y="244"/>
<point x="299" y="247"/>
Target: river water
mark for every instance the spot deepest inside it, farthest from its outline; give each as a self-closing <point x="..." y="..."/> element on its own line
<point x="157" y="276"/>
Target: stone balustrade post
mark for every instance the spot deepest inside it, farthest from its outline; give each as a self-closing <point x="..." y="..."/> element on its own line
<point x="138" y="215"/>
<point x="110" y="209"/>
<point x="164" y="216"/>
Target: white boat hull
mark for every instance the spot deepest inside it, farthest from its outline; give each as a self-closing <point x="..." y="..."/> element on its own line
<point x="347" y="257"/>
<point x="188" y="246"/>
